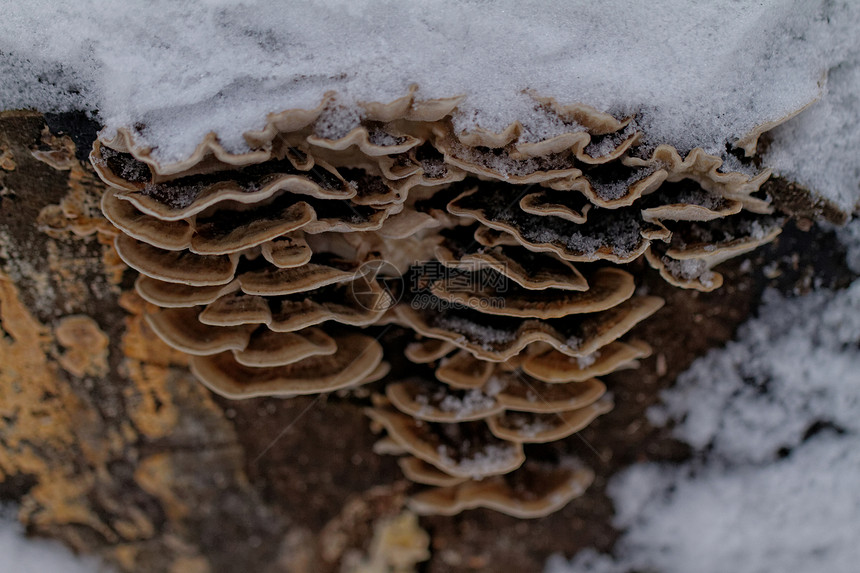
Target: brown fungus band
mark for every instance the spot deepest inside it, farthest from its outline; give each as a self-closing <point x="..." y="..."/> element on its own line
<point x="506" y="254"/>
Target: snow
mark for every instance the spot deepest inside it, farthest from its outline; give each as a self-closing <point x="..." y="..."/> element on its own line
<point x="584" y="362"/>
<point x="461" y="404"/>
<point x="489" y="460"/>
<point x="695" y="74"/>
<point x="19" y="554"/>
<point x="470" y="402"/>
<point x="821" y="147"/>
<point x="789" y="516"/>
<point x="774" y="422"/>
<point x="530" y="425"/>
<point x="849" y="236"/>
<point x="795" y="365"/>
<point x="690" y="269"/>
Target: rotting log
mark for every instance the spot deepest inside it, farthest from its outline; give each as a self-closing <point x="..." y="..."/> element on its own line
<point x="108" y="444"/>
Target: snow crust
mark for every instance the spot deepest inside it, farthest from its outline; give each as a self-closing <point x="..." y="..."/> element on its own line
<point x="695" y="74"/>
<point x="798" y="364"/>
<point x="698" y="74"/>
<point x="774" y="421"/>
<point x="798" y="515"/>
<point x="821" y="147"/>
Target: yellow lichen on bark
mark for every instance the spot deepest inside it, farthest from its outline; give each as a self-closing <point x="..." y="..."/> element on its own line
<point x="39" y="417"/>
<point x="148" y="361"/>
<point x="79" y="210"/>
<point x="93" y="448"/>
<point x="86" y="346"/>
<point x="46" y="430"/>
<point x="398" y="545"/>
<point x="56" y="438"/>
<point x="139" y="342"/>
<point x="152" y="474"/>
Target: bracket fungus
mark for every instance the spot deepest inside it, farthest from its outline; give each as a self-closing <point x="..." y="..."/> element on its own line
<point x="510" y="251"/>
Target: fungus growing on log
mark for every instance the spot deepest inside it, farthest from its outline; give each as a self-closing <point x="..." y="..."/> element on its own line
<point x="510" y="260"/>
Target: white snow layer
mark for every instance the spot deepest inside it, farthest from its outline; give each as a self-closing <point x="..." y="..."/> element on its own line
<point x="774" y="420"/>
<point x="849" y="235"/>
<point x="820" y="148"/>
<point x="19" y="554"/>
<point x="695" y="73"/>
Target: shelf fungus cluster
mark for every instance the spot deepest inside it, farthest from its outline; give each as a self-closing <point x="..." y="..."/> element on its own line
<point x="506" y="254"/>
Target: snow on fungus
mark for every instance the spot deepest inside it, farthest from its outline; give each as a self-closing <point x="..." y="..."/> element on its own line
<point x="265" y="264"/>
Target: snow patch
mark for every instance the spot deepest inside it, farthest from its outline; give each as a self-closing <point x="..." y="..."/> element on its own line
<point x="820" y="148"/>
<point x="774" y="420"/>
<point x="208" y="65"/>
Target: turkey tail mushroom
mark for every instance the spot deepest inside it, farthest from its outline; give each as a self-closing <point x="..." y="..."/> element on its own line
<point x="507" y="253"/>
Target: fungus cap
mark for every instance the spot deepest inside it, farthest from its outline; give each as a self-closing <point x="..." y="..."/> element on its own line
<point x="539" y="428"/>
<point x="479" y="456"/>
<point x="555" y="367"/>
<point x="357" y="356"/>
<point x="549" y="491"/>
<point x="434" y="402"/>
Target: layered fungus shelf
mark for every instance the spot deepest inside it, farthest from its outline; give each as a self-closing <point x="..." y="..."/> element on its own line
<point x="506" y="254"/>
